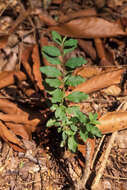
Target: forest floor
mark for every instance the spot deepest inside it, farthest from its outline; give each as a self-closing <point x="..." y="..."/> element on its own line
<point x="30" y="153"/>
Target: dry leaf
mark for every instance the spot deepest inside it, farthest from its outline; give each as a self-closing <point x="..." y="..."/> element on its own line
<point x="88" y="71"/>
<point x="36" y="68"/>
<point x="100" y="81"/>
<point x="25" y="56"/>
<point x="3" y="41"/>
<point x="112" y="121"/>
<point x="8" y="77"/>
<point x="112" y="90"/>
<point x="88" y="48"/>
<point x="89" y="27"/>
<point x="80" y="13"/>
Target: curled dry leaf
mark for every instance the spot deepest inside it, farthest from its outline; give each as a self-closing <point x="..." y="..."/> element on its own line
<point x="112" y="90"/>
<point x="9" y="136"/>
<point x="89" y="27"/>
<point x="113" y="121"/>
<point x="16" y="122"/>
<point x="100" y="81"/>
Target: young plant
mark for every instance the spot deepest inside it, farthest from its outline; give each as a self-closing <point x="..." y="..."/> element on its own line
<point x="69" y="120"/>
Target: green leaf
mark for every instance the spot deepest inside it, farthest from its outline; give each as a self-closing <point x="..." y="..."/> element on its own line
<point x="74" y="128"/>
<point x="77" y="96"/>
<point x="50" y="71"/>
<point x="70" y="42"/>
<point x="72" y="144"/>
<point x="50" y="122"/>
<point x="51" y="51"/>
<point x="52" y="60"/>
<point x="57" y="96"/>
<point x="92" y="116"/>
<point x="53" y="82"/>
<point x="59" y="129"/>
<point x="75" y="62"/>
<point x="96" y="132"/>
<point x="74" y="80"/>
<point x="64" y="136"/>
<point x="73" y="110"/>
<point x="70" y="45"/>
<point x="70" y="132"/>
<point x="81" y="116"/>
<point x="83" y="135"/>
<point x="60" y="112"/>
<point x="54" y="107"/>
<point x="56" y="37"/>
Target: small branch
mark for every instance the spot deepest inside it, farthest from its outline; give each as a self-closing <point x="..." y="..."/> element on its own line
<point x="81" y="184"/>
<point x="103" y="164"/>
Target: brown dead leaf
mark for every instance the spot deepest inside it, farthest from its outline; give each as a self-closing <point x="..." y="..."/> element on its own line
<point x="89" y="27"/>
<point x="8" y="135"/>
<point x="25" y="56"/>
<point x="3" y="41"/>
<point x="112" y="90"/>
<point x="80" y="13"/>
<point x="45" y="18"/>
<point x="8" y="77"/>
<point x="36" y="68"/>
<point x="88" y="48"/>
<point x="7" y="106"/>
<point x="100" y="81"/>
<point x="88" y="71"/>
<point x="112" y="121"/>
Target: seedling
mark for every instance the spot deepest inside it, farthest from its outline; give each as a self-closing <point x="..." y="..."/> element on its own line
<point x="70" y="121"/>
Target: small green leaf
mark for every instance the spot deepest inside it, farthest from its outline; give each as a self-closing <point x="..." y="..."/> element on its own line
<point x="92" y="116"/>
<point x="57" y="96"/>
<point x="51" y="51"/>
<point x="60" y="112"/>
<point x="70" y="45"/>
<point x="74" y="128"/>
<point x="64" y="136"/>
<point x="50" y="71"/>
<point x="56" y="37"/>
<point x="74" y="80"/>
<point x="54" y="107"/>
<point x="96" y="132"/>
<point x="50" y="122"/>
<point x="70" y="132"/>
<point x="53" y="82"/>
<point x="52" y="60"/>
<point x="77" y="96"/>
<point x="75" y="62"/>
<point x="73" y="110"/>
<point x="72" y="144"/>
<point x="59" y="129"/>
<point x="81" y="116"/>
<point x="83" y="135"/>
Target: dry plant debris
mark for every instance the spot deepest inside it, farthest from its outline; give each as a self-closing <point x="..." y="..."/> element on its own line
<point x="100" y="27"/>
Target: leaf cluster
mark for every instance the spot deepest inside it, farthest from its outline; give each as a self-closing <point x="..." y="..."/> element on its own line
<point x="69" y="120"/>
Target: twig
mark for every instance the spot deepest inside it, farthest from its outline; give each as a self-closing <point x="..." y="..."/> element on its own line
<point x="103" y="164"/>
<point x="81" y="184"/>
<point x="98" y="149"/>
